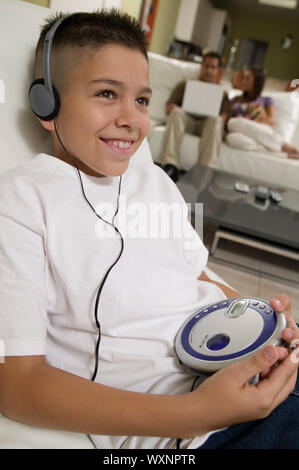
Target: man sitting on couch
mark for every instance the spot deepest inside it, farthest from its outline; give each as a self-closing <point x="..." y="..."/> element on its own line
<point x="209" y="128"/>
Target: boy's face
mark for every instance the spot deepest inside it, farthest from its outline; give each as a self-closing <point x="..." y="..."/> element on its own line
<point x="104" y="116"/>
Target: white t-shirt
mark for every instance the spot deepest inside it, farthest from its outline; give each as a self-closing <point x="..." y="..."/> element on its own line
<point x="54" y="253"/>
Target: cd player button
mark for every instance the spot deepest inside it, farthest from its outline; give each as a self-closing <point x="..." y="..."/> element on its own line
<point x="262" y="306"/>
<point x="255" y="304"/>
<point x="268" y="311"/>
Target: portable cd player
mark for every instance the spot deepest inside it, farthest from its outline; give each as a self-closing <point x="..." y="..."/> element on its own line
<point x="227" y="332"/>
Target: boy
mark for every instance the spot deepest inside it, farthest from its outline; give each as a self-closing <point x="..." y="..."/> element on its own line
<point x="88" y="320"/>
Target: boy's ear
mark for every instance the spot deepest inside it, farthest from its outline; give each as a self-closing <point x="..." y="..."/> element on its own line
<point x="48" y="125"/>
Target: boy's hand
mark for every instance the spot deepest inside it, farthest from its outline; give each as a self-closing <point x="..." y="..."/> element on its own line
<point x="170" y="107"/>
<point x="227" y="398"/>
<point x="282" y="304"/>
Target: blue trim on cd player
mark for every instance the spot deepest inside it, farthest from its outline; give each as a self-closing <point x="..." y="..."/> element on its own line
<point x="264" y="309"/>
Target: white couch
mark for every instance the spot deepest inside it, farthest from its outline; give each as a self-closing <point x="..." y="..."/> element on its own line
<point x="275" y="169"/>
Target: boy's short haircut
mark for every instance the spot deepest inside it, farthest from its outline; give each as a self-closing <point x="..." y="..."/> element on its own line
<point x="83" y="33"/>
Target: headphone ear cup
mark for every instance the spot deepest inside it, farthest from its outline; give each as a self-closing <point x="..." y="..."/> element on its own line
<point x="44" y="104"/>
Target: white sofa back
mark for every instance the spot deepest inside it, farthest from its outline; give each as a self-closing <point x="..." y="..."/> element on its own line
<point x="286" y="114"/>
<point x="21" y="134"/>
<point x="165" y="73"/>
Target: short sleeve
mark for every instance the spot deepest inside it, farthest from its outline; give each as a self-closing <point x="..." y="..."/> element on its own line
<point x="268" y="102"/>
<point x="22" y="290"/>
<point x="177" y="94"/>
<point x="235" y="107"/>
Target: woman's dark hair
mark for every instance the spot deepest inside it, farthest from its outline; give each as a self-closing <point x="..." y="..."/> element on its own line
<point x="258" y="84"/>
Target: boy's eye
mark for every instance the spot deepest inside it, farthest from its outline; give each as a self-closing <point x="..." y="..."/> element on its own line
<point x="106" y="94"/>
<point x="143" y="101"/>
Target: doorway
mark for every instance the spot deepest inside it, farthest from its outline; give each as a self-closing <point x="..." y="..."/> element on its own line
<point x="252" y="52"/>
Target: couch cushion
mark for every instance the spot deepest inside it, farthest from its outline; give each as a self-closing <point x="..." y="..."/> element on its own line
<point x="23" y="136"/>
<point x="189" y="147"/>
<point x="274" y="169"/>
<point x="165" y="73"/>
<point x="286" y="114"/>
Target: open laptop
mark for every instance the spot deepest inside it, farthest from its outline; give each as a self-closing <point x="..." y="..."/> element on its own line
<point x="202" y="98"/>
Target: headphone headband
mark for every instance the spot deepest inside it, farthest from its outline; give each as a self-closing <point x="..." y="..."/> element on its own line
<point x="47" y="53"/>
<point x="43" y="97"/>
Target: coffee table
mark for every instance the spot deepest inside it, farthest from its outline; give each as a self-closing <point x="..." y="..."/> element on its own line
<point x="240" y="217"/>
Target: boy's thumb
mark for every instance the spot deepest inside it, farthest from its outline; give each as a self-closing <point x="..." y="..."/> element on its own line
<point x="260" y="361"/>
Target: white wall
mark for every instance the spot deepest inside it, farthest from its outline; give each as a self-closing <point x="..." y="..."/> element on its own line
<point x="82" y="5"/>
<point x="218" y="20"/>
<point x="2" y="91"/>
<point x="111" y="3"/>
<point x="202" y="23"/>
<point x="195" y="23"/>
<point x="186" y="20"/>
<point x="132" y="7"/>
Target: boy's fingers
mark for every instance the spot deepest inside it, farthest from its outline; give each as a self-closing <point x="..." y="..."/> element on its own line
<point x="282" y="354"/>
<point x="282" y="304"/>
<point x="259" y="362"/>
<point x="288" y="334"/>
<point x="285" y="390"/>
<point x="280" y="380"/>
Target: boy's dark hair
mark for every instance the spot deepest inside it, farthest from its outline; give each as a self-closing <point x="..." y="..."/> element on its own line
<point x="87" y="30"/>
<point x="213" y="55"/>
<point x="259" y="75"/>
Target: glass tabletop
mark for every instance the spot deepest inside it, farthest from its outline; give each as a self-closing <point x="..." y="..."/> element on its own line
<point x="243" y="212"/>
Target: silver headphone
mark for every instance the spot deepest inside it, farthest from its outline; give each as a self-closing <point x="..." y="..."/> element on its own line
<point x="43" y="96"/>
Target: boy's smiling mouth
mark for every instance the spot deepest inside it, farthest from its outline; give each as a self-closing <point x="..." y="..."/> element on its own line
<point x="122" y="146"/>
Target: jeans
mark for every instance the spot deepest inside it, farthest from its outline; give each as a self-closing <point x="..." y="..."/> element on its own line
<point x="280" y="430"/>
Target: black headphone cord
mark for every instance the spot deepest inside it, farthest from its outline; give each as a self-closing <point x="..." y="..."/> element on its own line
<point x="115" y="262"/>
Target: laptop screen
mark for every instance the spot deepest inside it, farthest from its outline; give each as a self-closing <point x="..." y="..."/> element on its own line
<point x="202" y="98"/>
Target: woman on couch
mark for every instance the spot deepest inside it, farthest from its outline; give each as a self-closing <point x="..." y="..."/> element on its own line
<point x="253" y="118"/>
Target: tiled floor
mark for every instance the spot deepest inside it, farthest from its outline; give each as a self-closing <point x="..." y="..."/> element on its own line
<point x="273" y="274"/>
